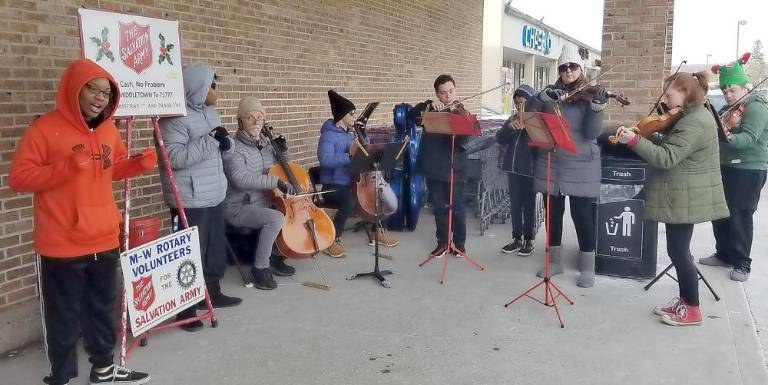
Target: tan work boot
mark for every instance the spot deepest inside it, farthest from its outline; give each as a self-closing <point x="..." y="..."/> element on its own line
<point x="336" y="250"/>
<point x="384" y="239"/>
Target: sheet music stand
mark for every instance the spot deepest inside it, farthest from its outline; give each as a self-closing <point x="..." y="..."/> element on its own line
<point x="550" y="132"/>
<point x="376" y="157"/>
<point x="446" y="123"/>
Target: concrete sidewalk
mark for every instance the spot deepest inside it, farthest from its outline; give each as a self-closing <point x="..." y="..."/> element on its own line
<point x="419" y="332"/>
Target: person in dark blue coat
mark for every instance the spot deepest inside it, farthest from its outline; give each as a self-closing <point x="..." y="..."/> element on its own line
<point x="518" y="163"/>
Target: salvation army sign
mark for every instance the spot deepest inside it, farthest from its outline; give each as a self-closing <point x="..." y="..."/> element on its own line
<point x="162" y="278"/>
<point x="142" y="54"/>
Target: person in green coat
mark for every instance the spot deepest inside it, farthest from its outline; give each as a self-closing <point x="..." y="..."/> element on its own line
<point x="743" y="162"/>
<point x="685" y="188"/>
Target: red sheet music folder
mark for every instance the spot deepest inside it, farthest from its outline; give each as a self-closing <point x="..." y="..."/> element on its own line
<point x="447" y="123"/>
<point x="549" y="131"/>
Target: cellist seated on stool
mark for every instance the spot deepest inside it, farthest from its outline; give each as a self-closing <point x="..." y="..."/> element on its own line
<point x="334" y="152"/>
<point x="247" y="204"/>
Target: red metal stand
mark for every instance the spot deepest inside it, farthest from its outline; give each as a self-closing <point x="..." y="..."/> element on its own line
<point x="451" y="248"/>
<point x="551" y="291"/>
<point x="210" y="313"/>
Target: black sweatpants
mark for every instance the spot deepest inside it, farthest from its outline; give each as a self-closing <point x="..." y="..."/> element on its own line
<point x="733" y="235"/>
<point x="439" y="197"/>
<point x="522" y="201"/>
<point x="583" y="214"/>
<point x="78" y="294"/>
<point x="342" y="199"/>
<point x="679" y="250"/>
<point x="211" y="229"/>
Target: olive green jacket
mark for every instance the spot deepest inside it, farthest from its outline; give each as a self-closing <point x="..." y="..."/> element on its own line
<point x="686" y="185"/>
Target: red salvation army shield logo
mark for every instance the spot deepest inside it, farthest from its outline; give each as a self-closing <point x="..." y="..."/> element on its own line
<point x="143" y="293"/>
<point x="135" y="46"/>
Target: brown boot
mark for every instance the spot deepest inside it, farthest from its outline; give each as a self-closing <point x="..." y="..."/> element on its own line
<point x="385" y="239"/>
<point x="336" y="250"/>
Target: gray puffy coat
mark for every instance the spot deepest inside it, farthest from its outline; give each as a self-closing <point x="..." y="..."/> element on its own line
<point x="194" y="154"/>
<point x="246" y="167"/>
<point x="572" y="174"/>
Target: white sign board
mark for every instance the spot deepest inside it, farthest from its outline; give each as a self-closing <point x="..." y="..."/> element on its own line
<point x="144" y="56"/>
<point x="162" y="278"/>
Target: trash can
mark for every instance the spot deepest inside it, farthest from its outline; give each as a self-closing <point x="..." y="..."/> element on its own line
<point x="626" y="241"/>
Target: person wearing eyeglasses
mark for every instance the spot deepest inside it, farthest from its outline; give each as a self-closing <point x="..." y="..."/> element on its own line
<point x="247" y="204"/>
<point x="743" y="161"/>
<point x="576" y="176"/>
<point x="195" y="143"/>
<point x="68" y="159"/>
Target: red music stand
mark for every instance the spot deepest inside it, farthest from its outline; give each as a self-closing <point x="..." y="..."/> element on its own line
<point x="550" y="132"/>
<point x="446" y="123"/>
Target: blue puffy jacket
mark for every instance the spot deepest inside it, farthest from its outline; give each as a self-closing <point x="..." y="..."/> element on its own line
<point x="333" y="154"/>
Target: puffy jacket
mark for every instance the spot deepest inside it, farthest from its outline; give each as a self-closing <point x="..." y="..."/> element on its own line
<point x="70" y="168"/>
<point x="246" y="167"/>
<point x="194" y="154"/>
<point x="333" y="154"/>
<point x="748" y="146"/>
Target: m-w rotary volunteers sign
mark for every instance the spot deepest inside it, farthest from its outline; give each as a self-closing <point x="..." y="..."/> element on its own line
<point x="142" y="54"/>
<point x="162" y="278"/>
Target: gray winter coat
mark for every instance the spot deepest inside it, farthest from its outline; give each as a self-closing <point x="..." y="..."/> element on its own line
<point x="246" y="167"/>
<point x="572" y="174"/>
<point x="194" y="154"/>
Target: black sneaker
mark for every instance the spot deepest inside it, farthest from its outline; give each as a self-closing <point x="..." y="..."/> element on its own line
<point x="512" y="247"/>
<point x="439" y="251"/>
<point x="262" y="278"/>
<point x="279" y="267"/>
<point x="114" y="374"/>
<point x="189" y="313"/>
<point x="527" y="248"/>
<point x="218" y="299"/>
<point x="461" y="248"/>
<point x="49" y="380"/>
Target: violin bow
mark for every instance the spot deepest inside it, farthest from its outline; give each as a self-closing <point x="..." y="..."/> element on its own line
<point x="655" y="105"/>
<point x="589" y="82"/>
<point x="474" y="96"/>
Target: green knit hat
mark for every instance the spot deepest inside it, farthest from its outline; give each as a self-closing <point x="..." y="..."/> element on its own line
<point x="733" y="73"/>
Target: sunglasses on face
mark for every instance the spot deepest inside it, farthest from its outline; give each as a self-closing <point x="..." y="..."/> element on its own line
<point x="568" y="66"/>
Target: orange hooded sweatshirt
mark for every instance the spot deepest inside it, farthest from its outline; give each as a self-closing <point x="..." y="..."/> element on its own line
<point x="70" y="168"/>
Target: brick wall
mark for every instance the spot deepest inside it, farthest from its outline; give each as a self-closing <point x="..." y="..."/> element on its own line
<point x="287" y="53"/>
<point x="637" y="35"/>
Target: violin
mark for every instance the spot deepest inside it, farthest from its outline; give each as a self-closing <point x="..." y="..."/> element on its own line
<point x="650" y="124"/>
<point x="307" y="229"/>
<point x="733" y="117"/>
<point x="588" y="93"/>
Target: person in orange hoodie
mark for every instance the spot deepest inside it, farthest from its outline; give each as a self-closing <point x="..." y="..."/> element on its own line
<point x="68" y="159"/>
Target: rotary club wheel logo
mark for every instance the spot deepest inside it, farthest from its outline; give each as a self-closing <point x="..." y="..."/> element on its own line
<point x="186" y="275"/>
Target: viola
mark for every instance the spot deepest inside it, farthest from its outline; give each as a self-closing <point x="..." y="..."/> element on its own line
<point x="307" y="229"/>
<point x="733" y="118"/>
<point x="650" y="124"/>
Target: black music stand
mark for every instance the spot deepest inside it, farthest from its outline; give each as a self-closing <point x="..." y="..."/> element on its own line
<point x="698" y="272"/>
<point x="446" y="123"/>
<point x="550" y="132"/>
<point x="376" y="157"/>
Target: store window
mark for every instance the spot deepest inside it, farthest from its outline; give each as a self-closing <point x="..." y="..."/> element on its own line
<point x="519" y="74"/>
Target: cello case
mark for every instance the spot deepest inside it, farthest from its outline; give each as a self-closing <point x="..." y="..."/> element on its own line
<point x="405" y="182"/>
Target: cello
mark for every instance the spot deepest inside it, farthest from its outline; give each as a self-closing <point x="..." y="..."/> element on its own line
<point x="367" y="182"/>
<point x="307" y="229"/>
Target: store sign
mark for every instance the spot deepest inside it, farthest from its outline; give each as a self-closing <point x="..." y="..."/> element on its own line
<point x="537" y="39"/>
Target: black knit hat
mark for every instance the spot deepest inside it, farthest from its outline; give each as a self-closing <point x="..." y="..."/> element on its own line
<point x="340" y="106"/>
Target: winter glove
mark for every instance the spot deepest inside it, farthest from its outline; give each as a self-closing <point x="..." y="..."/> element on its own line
<point x="600" y="97"/>
<point x="555" y="93"/>
<point x="281" y="144"/>
<point x="147" y="158"/>
<point x="285" y="188"/>
<point x="222" y="135"/>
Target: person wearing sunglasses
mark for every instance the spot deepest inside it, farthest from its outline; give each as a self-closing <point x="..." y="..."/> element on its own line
<point x="576" y="176"/>
<point x="195" y="144"/>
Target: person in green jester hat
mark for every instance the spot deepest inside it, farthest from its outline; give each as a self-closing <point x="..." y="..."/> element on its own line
<point x="743" y="164"/>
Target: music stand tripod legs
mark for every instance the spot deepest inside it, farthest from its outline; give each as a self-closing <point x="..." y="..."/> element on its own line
<point x="451" y="247"/>
<point x="376" y="273"/>
<point x="666" y="272"/>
